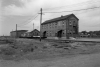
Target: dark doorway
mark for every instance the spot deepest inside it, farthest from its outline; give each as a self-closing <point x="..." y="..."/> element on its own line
<point x="75" y="29"/>
<point x="59" y="34"/>
<point x="44" y="34"/>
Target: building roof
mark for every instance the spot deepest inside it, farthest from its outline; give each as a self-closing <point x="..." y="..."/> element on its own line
<point x="59" y="18"/>
<point x="20" y="31"/>
<point x="34" y="30"/>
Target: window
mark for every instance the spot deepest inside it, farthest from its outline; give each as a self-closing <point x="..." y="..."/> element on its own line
<point x="37" y="34"/>
<point x="42" y="26"/>
<point x="68" y="31"/>
<point x="50" y="25"/>
<point x="73" y="32"/>
<point x="55" y="24"/>
<point x="47" y="33"/>
<point x="50" y="33"/>
<point x="63" y="22"/>
<point x="47" y="26"/>
<point x="55" y="34"/>
<point x="74" y="23"/>
<point x="70" y="22"/>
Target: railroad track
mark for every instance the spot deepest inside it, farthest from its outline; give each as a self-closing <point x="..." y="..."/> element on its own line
<point x="69" y="40"/>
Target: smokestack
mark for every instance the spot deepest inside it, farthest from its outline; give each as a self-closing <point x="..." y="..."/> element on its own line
<point x="61" y="15"/>
<point x="33" y="26"/>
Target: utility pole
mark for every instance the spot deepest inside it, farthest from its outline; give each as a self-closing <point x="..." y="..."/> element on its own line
<point x="16" y="30"/>
<point x="40" y="21"/>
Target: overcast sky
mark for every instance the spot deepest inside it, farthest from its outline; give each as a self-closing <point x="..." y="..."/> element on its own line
<point x="21" y="12"/>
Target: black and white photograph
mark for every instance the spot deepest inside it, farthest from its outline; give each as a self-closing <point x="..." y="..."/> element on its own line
<point x="49" y="33"/>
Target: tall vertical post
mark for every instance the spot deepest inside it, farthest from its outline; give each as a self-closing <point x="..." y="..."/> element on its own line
<point x="40" y="21"/>
<point x="16" y="30"/>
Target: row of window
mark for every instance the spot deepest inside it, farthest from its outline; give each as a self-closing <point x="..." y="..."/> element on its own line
<point x="52" y="33"/>
<point x="53" y="25"/>
<point x="55" y="34"/>
<point x="72" y="22"/>
<point x="59" y="23"/>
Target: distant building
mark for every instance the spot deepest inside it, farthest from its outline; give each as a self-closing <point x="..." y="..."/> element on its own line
<point x="83" y="35"/>
<point x="34" y="33"/>
<point x="26" y="34"/>
<point x="61" y="27"/>
<point x="19" y="33"/>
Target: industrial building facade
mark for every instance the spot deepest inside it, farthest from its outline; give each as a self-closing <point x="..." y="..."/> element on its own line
<point x="61" y="27"/>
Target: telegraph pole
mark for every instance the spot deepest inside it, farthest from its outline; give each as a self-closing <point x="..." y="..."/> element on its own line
<point x="40" y="21"/>
<point x="16" y="30"/>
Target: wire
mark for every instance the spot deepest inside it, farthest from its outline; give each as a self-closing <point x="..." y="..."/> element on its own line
<point x="30" y="18"/>
<point x="22" y="27"/>
<point x="29" y="21"/>
<point x="74" y="10"/>
<point x="87" y="2"/>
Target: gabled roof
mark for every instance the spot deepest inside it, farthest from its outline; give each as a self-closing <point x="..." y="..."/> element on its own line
<point x="34" y="30"/>
<point x="59" y="18"/>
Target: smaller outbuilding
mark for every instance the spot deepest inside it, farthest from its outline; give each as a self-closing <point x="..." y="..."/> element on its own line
<point x="35" y="33"/>
<point x="17" y="33"/>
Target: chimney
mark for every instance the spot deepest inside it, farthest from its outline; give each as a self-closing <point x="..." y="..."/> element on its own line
<point x="61" y="15"/>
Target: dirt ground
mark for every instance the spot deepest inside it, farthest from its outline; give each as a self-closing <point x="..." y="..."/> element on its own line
<point x="90" y="60"/>
<point x="33" y="53"/>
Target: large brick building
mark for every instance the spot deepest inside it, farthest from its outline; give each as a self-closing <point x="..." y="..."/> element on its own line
<point x="61" y="27"/>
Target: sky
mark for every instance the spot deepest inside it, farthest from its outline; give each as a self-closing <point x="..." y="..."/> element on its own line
<point x="22" y="13"/>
